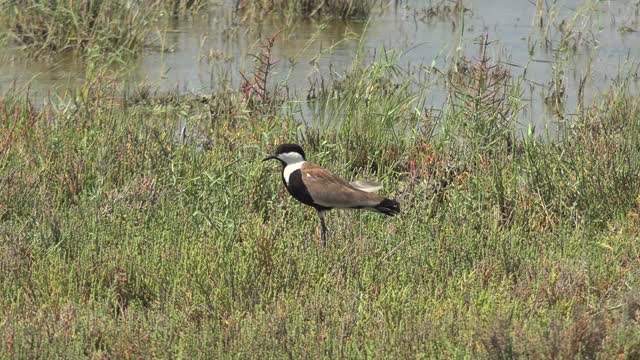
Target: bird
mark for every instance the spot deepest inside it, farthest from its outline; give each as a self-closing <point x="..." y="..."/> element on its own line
<point x="317" y="187"/>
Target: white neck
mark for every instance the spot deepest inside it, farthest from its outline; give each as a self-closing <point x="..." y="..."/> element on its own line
<point x="289" y="169"/>
<point x="293" y="161"/>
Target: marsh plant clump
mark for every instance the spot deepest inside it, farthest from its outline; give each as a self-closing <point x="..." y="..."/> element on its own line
<point x="342" y="9"/>
<point x="118" y="28"/>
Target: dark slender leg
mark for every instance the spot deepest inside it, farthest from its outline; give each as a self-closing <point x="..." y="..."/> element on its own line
<point x="323" y="228"/>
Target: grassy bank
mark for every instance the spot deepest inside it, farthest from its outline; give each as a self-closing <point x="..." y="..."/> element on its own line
<point x="124" y="235"/>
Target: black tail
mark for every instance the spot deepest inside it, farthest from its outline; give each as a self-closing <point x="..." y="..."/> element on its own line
<point x="388" y="207"/>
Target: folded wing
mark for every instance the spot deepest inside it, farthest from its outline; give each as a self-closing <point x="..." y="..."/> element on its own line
<point x="329" y="190"/>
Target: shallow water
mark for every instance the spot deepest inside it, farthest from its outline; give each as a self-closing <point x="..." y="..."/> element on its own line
<point x="208" y="51"/>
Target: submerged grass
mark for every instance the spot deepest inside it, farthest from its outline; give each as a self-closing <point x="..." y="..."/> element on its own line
<point x="122" y="236"/>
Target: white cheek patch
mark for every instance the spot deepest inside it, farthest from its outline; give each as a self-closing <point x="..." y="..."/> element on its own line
<point x="289" y="169"/>
<point x="290" y="157"/>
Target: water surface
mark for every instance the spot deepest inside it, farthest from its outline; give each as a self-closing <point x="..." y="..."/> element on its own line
<point x="208" y="51"/>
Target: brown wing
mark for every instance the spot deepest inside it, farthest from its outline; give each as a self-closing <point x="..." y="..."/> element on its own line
<point x="329" y="190"/>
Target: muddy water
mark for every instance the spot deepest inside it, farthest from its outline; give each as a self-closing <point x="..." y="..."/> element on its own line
<point x="208" y="51"/>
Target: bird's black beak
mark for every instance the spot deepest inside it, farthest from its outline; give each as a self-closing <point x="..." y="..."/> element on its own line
<point x="270" y="157"/>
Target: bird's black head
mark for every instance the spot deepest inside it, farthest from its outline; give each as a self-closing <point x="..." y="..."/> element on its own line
<point x="288" y="154"/>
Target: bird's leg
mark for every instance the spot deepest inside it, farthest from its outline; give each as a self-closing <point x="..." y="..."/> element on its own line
<point x="323" y="228"/>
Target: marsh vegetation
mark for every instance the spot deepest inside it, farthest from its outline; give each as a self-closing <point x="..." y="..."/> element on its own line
<point x="136" y="222"/>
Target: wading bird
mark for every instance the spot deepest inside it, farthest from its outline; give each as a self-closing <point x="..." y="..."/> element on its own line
<point x="319" y="188"/>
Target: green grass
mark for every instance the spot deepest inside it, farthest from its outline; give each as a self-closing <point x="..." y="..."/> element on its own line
<point x="117" y="240"/>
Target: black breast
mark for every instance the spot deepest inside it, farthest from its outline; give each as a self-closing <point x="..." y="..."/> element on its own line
<point x="298" y="190"/>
